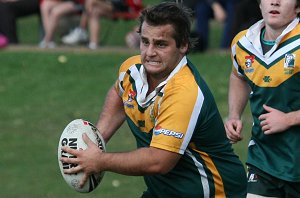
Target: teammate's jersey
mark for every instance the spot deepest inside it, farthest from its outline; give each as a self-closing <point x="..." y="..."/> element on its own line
<point x="275" y="81"/>
<point x="181" y="116"/>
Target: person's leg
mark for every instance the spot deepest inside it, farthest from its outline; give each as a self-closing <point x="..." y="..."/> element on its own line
<point x="46" y="9"/>
<point x="203" y="13"/>
<point x="100" y="9"/>
<point x="83" y="24"/>
<point x="94" y="27"/>
<point x="56" y="13"/>
<point x="227" y="36"/>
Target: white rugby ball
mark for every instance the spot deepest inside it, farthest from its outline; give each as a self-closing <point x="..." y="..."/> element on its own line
<point x="72" y="137"/>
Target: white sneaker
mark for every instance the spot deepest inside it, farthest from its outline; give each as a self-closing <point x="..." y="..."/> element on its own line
<point x="93" y="46"/>
<point x="43" y="44"/>
<point x="78" y="35"/>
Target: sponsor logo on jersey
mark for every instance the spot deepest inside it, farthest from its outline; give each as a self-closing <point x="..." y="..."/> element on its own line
<point x="248" y="63"/>
<point x="252" y="178"/>
<point x="161" y="131"/>
<point x="289" y="63"/>
<point x="131" y="97"/>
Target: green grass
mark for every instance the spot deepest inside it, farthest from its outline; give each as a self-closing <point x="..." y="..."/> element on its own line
<point x="40" y="95"/>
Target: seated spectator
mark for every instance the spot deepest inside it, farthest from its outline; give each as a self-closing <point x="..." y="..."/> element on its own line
<point x="52" y="11"/>
<point x="10" y="11"/>
<point x="79" y="34"/>
<point x="220" y="10"/>
<point x="94" y="10"/>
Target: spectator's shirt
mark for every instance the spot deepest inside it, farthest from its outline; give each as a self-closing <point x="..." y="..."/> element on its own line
<point x="275" y="81"/>
<point x="181" y="116"/>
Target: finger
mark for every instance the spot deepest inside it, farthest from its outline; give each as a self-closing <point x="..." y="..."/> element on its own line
<point x="265" y="128"/>
<point x="73" y="170"/>
<point x="234" y="138"/>
<point x="238" y="128"/>
<point x="69" y="160"/>
<point x="83" y="180"/>
<point x="267" y="132"/>
<point x="87" y="140"/>
<point x="263" y="123"/>
<point x="267" y="108"/>
<point x="233" y="142"/>
<point x="262" y="117"/>
<point x="69" y="150"/>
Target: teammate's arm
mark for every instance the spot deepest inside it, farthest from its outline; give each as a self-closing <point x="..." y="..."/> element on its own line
<point x="238" y="96"/>
<point x="112" y="115"/>
<point x="275" y="121"/>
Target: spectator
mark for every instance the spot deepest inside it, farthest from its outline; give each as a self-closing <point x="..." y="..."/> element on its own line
<point x="220" y="10"/>
<point x="95" y="9"/>
<point x="10" y="11"/>
<point x="52" y="11"/>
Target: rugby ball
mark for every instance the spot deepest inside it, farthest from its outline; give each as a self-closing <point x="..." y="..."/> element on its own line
<point x="72" y="137"/>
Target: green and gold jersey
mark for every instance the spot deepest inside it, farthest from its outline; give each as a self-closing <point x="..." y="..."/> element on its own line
<point x="181" y="116"/>
<point x="274" y="78"/>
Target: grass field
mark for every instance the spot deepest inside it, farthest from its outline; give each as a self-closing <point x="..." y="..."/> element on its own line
<point x="39" y="95"/>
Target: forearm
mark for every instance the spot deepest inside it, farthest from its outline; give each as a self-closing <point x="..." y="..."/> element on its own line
<point x="293" y="118"/>
<point x="238" y="96"/>
<point x="143" y="161"/>
<point x="112" y="115"/>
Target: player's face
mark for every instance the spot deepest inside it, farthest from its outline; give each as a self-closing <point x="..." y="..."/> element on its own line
<point x="159" y="53"/>
<point x="278" y="13"/>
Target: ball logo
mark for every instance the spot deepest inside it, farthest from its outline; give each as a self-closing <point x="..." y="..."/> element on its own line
<point x="72" y="129"/>
<point x="75" y="183"/>
<point x="72" y="143"/>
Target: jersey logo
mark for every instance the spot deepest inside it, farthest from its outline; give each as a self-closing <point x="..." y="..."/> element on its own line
<point x="131" y="96"/>
<point x="248" y="63"/>
<point x="158" y="131"/>
<point x="289" y="63"/>
<point x="252" y="178"/>
<point x="267" y="79"/>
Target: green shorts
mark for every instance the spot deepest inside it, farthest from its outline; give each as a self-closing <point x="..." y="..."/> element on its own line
<point x="261" y="183"/>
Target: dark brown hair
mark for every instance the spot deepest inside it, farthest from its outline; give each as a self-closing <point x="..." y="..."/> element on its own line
<point x="170" y="13"/>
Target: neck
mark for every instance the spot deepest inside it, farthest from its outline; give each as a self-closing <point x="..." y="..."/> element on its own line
<point x="271" y="35"/>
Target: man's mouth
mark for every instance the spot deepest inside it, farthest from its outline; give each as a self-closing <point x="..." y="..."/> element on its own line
<point x="274" y="12"/>
<point x="153" y="62"/>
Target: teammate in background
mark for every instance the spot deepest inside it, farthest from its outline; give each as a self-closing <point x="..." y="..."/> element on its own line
<point x="182" y="149"/>
<point x="266" y="70"/>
